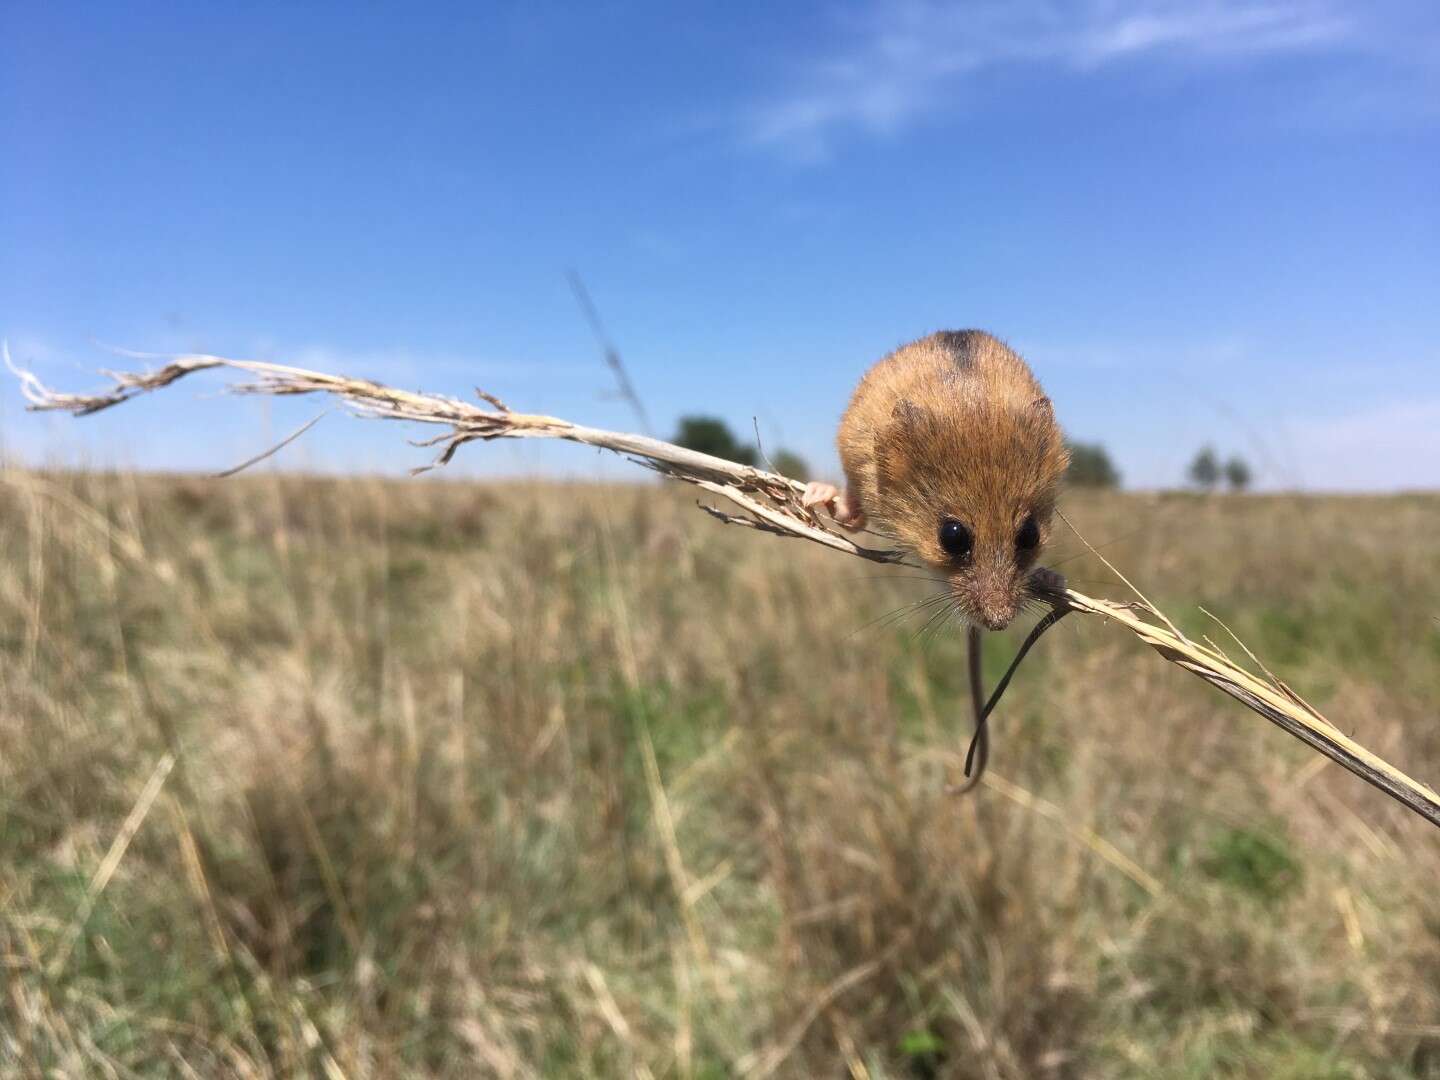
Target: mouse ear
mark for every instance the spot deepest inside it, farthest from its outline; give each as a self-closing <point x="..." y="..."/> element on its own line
<point x="906" y="414"/>
<point x="895" y="449"/>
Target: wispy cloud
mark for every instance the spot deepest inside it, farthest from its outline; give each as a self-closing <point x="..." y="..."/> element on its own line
<point x="894" y="62"/>
<point x="1394" y="445"/>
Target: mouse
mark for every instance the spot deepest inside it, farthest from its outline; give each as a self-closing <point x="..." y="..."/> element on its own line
<point x="951" y="446"/>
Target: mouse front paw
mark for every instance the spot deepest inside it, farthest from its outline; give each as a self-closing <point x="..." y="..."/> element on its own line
<point x="843" y="508"/>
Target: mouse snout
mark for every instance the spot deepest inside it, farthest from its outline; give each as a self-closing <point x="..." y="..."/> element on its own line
<point x="997" y="619"/>
<point x="992" y="604"/>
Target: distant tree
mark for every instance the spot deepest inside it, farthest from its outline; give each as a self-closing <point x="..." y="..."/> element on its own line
<point x="1237" y="474"/>
<point x="1205" y="469"/>
<point x="788" y="463"/>
<point x="1090" y="466"/>
<point x="711" y="435"/>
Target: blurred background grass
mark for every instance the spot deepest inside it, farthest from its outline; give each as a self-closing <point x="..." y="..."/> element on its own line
<point x="529" y="779"/>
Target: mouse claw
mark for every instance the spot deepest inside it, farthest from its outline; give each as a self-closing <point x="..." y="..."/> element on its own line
<point x="841" y="507"/>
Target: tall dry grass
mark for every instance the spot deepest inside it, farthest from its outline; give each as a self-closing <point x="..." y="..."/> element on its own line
<point x="532" y="780"/>
<point x="766" y="501"/>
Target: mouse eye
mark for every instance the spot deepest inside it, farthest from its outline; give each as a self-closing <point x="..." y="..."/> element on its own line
<point x="955" y="538"/>
<point x="1028" y="538"/>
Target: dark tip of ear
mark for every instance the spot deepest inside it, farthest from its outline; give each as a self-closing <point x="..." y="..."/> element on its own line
<point x="1043" y="404"/>
<point x="906" y="412"/>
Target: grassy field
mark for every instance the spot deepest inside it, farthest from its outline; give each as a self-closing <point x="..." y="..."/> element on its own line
<point x="524" y="780"/>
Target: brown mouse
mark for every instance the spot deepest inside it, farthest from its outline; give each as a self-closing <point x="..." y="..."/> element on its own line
<point x="951" y="446"/>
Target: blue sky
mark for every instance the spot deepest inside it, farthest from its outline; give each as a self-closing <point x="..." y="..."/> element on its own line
<point x="1207" y="221"/>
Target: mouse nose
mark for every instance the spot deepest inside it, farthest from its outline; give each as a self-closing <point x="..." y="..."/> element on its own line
<point x="995" y="610"/>
<point x="987" y="598"/>
<point x="996" y="620"/>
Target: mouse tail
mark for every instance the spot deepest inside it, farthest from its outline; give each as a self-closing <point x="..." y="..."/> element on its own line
<point x="979" y="752"/>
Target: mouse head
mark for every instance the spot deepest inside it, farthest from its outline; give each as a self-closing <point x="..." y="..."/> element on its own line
<point x="971" y="490"/>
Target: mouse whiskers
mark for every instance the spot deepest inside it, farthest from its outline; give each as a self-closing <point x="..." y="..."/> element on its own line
<point x="890" y="618"/>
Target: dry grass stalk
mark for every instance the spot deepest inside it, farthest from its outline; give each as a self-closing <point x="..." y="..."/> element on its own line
<point x="112" y="859"/>
<point x="769" y="502"/>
